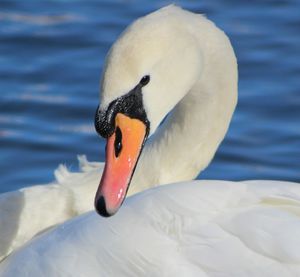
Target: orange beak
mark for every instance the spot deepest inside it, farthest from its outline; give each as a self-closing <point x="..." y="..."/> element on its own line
<point x="123" y="149"/>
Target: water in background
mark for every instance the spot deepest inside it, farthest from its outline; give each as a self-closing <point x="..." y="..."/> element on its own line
<point x="51" y="56"/>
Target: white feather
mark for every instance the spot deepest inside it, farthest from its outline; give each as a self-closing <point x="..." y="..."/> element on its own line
<point x="200" y="228"/>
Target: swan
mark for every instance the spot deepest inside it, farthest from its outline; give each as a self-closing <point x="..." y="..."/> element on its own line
<point x="176" y="63"/>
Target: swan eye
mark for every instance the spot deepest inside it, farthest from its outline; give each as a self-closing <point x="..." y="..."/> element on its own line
<point x="118" y="142"/>
<point x="145" y="80"/>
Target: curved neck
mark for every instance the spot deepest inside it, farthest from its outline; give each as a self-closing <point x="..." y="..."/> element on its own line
<point x="187" y="141"/>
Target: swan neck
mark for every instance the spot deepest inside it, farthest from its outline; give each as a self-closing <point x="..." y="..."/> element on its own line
<point x="187" y="141"/>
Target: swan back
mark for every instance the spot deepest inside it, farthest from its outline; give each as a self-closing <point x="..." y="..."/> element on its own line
<point x="215" y="228"/>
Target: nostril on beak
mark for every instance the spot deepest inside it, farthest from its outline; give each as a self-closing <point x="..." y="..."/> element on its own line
<point x="101" y="207"/>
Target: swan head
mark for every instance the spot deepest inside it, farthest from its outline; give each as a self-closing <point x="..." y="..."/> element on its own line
<point x="148" y="70"/>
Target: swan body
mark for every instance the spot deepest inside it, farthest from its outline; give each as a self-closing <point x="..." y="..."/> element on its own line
<point x="200" y="228"/>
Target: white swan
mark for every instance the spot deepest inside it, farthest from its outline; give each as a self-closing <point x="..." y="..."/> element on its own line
<point x="200" y="228"/>
<point x="74" y="193"/>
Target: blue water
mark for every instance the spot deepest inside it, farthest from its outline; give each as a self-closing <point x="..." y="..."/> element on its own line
<point x="51" y="57"/>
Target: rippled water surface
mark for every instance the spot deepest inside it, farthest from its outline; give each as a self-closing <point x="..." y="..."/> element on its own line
<point x="51" y="57"/>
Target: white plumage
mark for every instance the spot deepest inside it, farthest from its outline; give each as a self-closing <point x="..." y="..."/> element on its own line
<point x="26" y="212"/>
<point x="199" y="228"/>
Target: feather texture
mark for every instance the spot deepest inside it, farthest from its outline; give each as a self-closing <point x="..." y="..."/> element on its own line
<point x="199" y="228"/>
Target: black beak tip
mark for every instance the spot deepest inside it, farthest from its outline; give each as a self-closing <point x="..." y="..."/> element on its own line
<point x="101" y="207"/>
